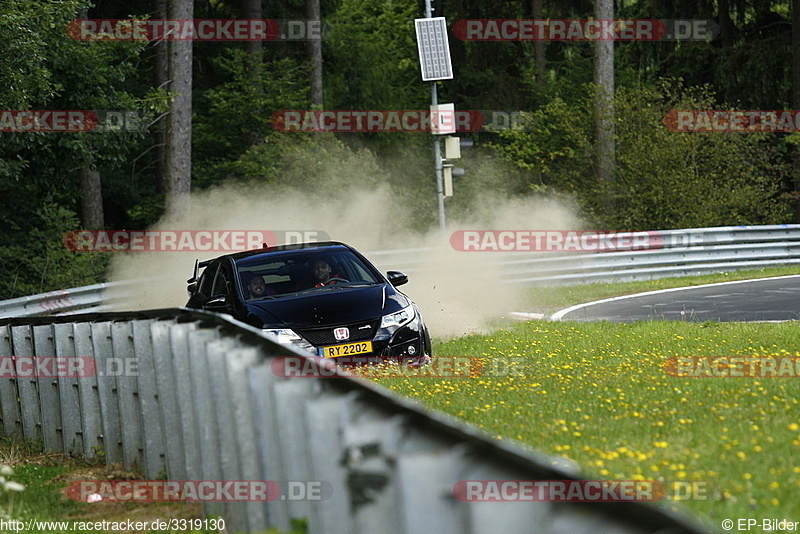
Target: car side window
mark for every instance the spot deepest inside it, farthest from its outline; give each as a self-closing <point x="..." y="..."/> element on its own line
<point x="221" y="284"/>
<point x="207" y="279"/>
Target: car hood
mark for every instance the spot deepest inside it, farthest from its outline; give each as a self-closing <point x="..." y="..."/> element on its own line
<point x="330" y="307"/>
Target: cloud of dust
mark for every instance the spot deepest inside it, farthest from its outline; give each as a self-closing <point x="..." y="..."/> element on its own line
<point x="457" y="292"/>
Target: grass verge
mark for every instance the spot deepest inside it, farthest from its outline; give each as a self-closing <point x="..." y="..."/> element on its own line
<point x="598" y="394"/>
<point x="42" y="506"/>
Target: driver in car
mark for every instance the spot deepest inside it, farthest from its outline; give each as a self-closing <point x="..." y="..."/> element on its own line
<point x="322" y="274"/>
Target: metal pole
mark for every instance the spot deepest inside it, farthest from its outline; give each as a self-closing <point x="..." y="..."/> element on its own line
<point x="437" y="161"/>
<point x="437" y="151"/>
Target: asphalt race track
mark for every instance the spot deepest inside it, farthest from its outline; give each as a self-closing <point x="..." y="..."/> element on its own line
<point x="768" y="299"/>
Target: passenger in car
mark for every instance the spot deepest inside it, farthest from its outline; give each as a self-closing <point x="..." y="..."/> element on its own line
<point x="255" y="286"/>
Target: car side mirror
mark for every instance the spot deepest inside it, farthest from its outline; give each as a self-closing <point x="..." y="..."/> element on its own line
<point x="192" y="289"/>
<point x="396" y="278"/>
<point x="216" y="303"/>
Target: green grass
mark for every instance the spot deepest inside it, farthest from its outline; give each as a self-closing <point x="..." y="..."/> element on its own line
<point x="597" y="393"/>
<point x="45" y="476"/>
<point x="40" y="498"/>
<point x="41" y="493"/>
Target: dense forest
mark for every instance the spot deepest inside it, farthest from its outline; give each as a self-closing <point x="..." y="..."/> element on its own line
<point x="203" y="115"/>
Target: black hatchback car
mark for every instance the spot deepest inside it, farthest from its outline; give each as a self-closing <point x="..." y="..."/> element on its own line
<point x="324" y="298"/>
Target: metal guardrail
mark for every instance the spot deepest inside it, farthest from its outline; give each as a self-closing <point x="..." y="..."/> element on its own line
<point x="680" y="253"/>
<point x="61" y="302"/>
<point x="205" y="404"/>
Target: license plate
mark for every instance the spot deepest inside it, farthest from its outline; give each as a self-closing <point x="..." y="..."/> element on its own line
<point x="345" y="349"/>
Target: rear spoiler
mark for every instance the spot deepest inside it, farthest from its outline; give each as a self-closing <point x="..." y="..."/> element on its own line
<point x="197" y="266"/>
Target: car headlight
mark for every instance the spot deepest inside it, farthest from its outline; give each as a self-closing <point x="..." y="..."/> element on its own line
<point x="286" y="336"/>
<point x="398" y="319"/>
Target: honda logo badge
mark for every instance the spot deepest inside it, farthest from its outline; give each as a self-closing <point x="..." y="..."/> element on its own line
<point x="341" y="333"/>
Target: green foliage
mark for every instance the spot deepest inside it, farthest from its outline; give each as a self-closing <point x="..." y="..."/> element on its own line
<point x="37" y="166"/>
<point x="556" y="142"/>
<point x="372" y="60"/>
<point x="691" y="180"/>
<point x="663" y="179"/>
<point x="147" y="212"/>
<point x="749" y="66"/>
<point x="27" y="29"/>
<point x="40" y="171"/>
<point x="306" y="162"/>
<point x="37" y="260"/>
<point x="240" y="110"/>
<point x="100" y="76"/>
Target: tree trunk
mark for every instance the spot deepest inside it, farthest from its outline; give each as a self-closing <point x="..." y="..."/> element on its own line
<point x="604" y="82"/>
<point x="253" y="10"/>
<point x="314" y="48"/>
<point x="161" y="81"/>
<point x="178" y="157"/>
<point x="92" y="216"/>
<point x="539" y="60"/>
<point x="796" y="97"/>
<point x="725" y="24"/>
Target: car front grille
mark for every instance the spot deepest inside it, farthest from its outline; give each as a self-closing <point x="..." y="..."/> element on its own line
<point x="324" y="336"/>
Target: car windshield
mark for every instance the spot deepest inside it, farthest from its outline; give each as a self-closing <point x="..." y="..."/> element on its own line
<point x="298" y="271"/>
